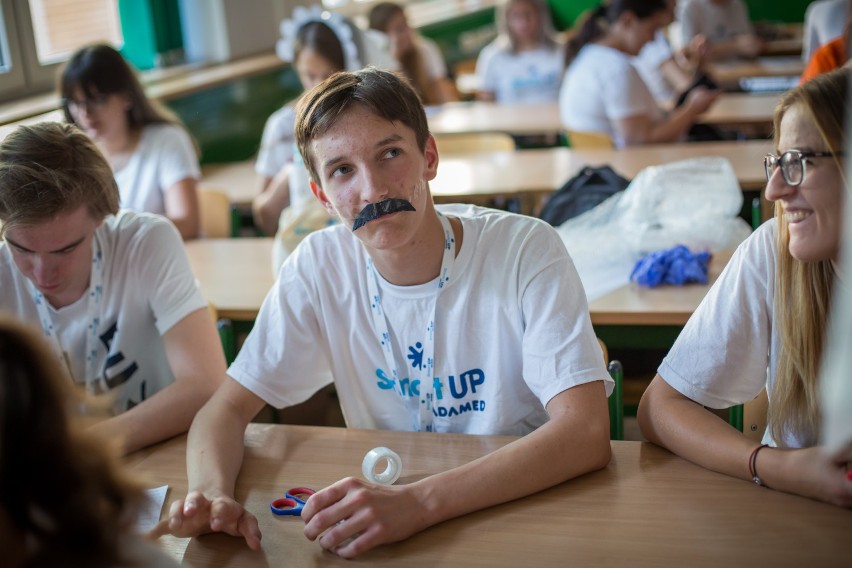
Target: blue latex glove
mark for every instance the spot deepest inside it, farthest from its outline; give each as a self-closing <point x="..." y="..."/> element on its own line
<point x="676" y="266"/>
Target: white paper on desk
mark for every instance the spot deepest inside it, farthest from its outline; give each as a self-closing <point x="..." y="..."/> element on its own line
<point x="149" y="516"/>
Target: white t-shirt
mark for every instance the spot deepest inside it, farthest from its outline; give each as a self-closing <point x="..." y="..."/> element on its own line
<point x="714" y="21"/>
<point x="278" y="142"/>
<point x="512" y="331"/>
<point x="278" y="148"/>
<point x="165" y="155"/>
<point x="728" y="350"/>
<point x="432" y="58"/>
<point x="824" y="21"/>
<point x="526" y="77"/>
<point x="601" y="86"/>
<point x="648" y="63"/>
<point x="148" y="287"/>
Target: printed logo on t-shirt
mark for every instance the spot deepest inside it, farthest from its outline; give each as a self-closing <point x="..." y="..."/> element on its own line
<point x="116" y="370"/>
<point x="454" y="394"/>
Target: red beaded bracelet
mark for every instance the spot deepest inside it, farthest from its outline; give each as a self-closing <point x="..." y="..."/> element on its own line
<point x="752" y="470"/>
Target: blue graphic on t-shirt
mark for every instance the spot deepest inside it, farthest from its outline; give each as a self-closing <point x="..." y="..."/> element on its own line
<point x="463" y="387"/>
<point x="415" y="353"/>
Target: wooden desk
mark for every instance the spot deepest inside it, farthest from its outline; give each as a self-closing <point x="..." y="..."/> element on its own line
<point x="474" y="117"/>
<point x="731" y="109"/>
<point x="530" y="175"/>
<point x="728" y="73"/>
<point x="634" y="305"/>
<point x="741" y="109"/>
<point x="234" y="274"/>
<point x="647" y="508"/>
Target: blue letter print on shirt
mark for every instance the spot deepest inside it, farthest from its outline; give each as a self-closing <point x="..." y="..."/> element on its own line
<point x="467" y="385"/>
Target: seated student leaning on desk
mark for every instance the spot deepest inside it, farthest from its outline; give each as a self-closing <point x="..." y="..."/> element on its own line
<point x="764" y="321"/>
<point x="112" y="291"/>
<point x="602" y="92"/>
<point x="491" y="298"/>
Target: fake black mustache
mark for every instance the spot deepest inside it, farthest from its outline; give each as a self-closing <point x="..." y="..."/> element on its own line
<point x="375" y="210"/>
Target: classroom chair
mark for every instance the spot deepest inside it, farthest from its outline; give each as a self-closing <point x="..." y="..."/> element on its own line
<point x="616" y="399"/>
<point x="583" y="140"/>
<point x="226" y="334"/>
<point x="217" y="216"/>
<point x="750" y="418"/>
<point x="458" y="144"/>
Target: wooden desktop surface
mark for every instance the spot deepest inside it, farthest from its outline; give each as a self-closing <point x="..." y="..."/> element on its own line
<point x="530" y="175"/>
<point x="666" y="305"/>
<point x="647" y="508"/>
<point x="236" y="274"/>
<point x="728" y="73"/>
<point x="730" y="110"/>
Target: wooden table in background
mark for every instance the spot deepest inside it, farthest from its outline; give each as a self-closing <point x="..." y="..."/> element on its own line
<point x="634" y="305"/>
<point x="236" y="274"/>
<point x="647" y="508"/>
<point x="529" y="175"/>
<point x="728" y="73"/>
<point x="730" y="110"/>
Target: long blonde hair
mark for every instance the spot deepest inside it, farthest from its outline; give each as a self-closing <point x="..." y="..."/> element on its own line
<point x="803" y="289"/>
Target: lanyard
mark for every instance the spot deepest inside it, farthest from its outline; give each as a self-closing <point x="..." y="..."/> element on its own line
<point x="382" y="329"/>
<point x="94" y="294"/>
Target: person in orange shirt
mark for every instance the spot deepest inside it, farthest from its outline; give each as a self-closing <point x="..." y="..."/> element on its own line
<point x="829" y="56"/>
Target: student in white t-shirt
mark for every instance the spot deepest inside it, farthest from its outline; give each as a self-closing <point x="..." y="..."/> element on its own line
<point x="763" y="323"/>
<point x="667" y="72"/>
<point x="723" y="23"/>
<point x="490" y="299"/>
<point x="64" y="501"/>
<point x="154" y="160"/>
<point x="602" y="92"/>
<point x="111" y="290"/>
<point x="524" y="63"/>
<point x="824" y="22"/>
<point x="419" y="57"/>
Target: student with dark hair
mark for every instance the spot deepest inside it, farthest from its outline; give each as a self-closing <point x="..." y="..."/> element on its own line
<point x="433" y="319"/>
<point x="602" y="92"/>
<point x="153" y="158"/>
<point x="64" y="501"/>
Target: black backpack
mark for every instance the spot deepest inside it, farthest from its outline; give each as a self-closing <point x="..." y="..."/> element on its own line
<point x="581" y="193"/>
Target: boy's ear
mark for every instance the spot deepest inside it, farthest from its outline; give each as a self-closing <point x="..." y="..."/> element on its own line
<point x="320" y="194"/>
<point x="430" y="153"/>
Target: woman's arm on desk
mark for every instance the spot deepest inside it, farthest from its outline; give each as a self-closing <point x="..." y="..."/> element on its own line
<point x="574" y="441"/>
<point x="684" y="427"/>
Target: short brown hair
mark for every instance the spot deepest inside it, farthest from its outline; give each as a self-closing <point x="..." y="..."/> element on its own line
<point x="386" y="94"/>
<point x="50" y="168"/>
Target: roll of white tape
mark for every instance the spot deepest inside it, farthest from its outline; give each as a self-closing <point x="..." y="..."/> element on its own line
<point x="375" y="457"/>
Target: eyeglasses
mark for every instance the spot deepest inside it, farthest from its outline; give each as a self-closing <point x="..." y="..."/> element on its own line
<point x="92" y="104"/>
<point x="792" y="164"/>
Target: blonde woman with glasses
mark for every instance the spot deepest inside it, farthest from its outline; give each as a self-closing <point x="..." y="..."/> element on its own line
<point x="764" y="322"/>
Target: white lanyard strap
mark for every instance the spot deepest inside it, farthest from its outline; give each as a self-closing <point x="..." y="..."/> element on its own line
<point x="382" y="330"/>
<point x="94" y="384"/>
